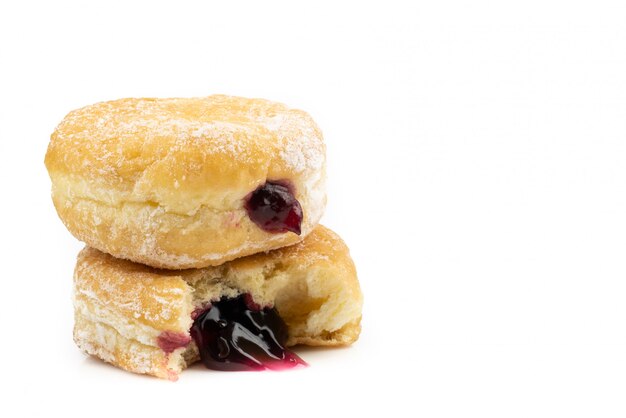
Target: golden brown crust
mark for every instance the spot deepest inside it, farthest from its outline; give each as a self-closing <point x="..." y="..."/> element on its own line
<point x="122" y="308"/>
<point x="162" y="181"/>
<point x="105" y="342"/>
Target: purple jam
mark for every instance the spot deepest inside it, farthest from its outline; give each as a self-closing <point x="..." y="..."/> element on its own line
<point x="236" y="334"/>
<point x="274" y="208"/>
<point x="169" y="341"/>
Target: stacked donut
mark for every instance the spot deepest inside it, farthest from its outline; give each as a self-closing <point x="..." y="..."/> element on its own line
<point x="201" y="222"/>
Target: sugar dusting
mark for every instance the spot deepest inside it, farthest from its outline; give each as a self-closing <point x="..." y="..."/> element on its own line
<point x="223" y="125"/>
<point x="116" y="157"/>
<point x="106" y="332"/>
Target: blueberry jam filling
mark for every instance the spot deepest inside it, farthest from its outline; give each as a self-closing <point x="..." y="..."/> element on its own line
<point x="274" y="208"/>
<point x="237" y="334"/>
<point x="169" y="341"/>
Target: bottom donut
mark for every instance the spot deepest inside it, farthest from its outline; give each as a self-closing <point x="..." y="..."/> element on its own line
<point x="241" y="315"/>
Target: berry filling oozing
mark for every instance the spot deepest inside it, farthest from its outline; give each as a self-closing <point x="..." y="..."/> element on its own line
<point x="236" y="334"/>
<point x="274" y="208"/>
<point x="169" y="341"/>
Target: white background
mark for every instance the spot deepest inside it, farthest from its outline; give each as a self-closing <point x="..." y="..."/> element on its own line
<point x="476" y="169"/>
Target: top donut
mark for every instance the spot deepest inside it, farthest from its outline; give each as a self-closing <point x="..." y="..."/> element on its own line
<point x="180" y="183"/>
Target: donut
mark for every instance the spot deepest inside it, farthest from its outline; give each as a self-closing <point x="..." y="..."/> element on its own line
<point x="187" y="182"/>
<point x="158" y="322"/>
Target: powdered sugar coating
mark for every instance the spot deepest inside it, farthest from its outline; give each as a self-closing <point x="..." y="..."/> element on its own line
<point x="313" y="284"/>
<point x="144" y="179"/>
<point x="102" y="134"/>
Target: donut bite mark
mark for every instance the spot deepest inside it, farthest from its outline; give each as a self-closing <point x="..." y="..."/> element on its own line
<point x="243" y="315"/>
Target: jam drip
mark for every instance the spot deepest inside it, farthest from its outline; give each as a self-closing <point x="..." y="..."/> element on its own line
<point x="234" y="334"/>
<point x="274" y="208"/>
